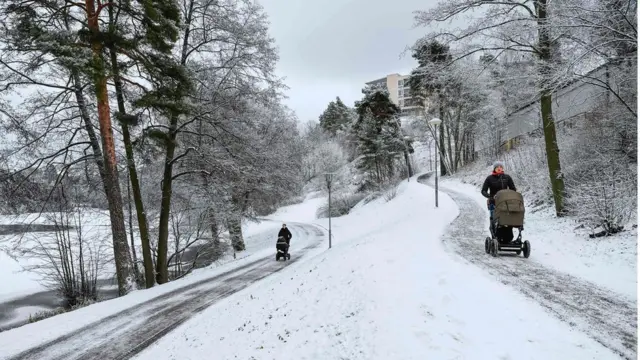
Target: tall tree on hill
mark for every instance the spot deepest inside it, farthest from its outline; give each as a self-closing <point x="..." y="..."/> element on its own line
<point x="378" y="134"/>
<point x="336" y="117"/>
<point x="425" y="84"/>
<point x="156" y="37"/>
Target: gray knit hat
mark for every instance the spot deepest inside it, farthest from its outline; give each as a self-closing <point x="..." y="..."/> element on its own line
<point x="497" y="163"/>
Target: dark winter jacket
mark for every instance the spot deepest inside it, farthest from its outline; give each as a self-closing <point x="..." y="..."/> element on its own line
<point x="496" y="182"/>
<point x="286" y="233"/>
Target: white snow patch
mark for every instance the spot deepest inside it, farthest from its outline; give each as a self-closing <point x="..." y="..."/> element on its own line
<point x="15" y="282"/>
<point x="386" y="290"/>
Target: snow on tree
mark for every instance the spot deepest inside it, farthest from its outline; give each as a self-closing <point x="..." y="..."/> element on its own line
<point x="602" y="175"/>
<point x="505" y="26"/>
<point x="377" y="130"/>
<point x="458" y="96"/>
<point x="206" y="118"/>
<point x="225" y="51"/>
<point x="69" y="39"/>
<point x="336" y="118"/>
<point x="322" y="153"/>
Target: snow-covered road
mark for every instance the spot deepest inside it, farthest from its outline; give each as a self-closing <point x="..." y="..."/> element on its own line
<point x="607" y="317"/>
<point x="127" y="332"/>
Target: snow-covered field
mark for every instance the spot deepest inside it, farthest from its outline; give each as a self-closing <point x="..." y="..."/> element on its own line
<point x="386" y="290"/>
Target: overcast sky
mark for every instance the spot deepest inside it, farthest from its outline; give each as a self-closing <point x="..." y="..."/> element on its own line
<point x="330" y="48"/>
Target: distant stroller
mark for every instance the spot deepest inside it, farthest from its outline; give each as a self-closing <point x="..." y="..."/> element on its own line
<point x="282" y="248"/>
<point x="508" y="213"/>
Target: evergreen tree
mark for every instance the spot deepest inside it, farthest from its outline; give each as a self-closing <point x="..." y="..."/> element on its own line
<point x="336" y="118"/>
<point x="377" y="134"/>
<point x="427" y="81"/>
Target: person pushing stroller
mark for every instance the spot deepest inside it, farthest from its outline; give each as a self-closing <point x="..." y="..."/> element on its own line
<point x="284" y="232"/>
<point x="495" y="182"/>
<point x="284" y="240"/>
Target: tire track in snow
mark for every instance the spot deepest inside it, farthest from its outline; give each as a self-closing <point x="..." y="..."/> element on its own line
<point x="605" y="316"/>
<point x="124" y="334"/>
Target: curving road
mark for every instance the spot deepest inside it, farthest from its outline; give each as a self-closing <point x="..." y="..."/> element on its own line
<point x="126" y="333"/>
<point x="605" y="316"/>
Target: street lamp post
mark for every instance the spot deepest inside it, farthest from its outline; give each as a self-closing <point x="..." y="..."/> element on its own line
<point x="329" y="179"/>
<point x="435" y="122"/>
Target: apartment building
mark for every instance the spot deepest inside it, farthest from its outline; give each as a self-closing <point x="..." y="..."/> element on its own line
<point x="399" y="92"/>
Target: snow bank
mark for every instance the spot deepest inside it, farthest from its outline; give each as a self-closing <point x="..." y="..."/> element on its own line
<point x="386" y="290"/>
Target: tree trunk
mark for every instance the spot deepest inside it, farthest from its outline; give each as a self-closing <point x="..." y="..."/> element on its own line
<point x="406" y="159"/>
<point x="133" y="245"/>
<point x="122" y="255"/>
<point x="553" y="153"/>
<point x="234" y="224"/>
<point x="443" y="153"/>
<point x="450" y="150"/>
<point x="546" y="109"/>
<point x="167" y="177"/>
<point x="133" y="173"/>
<point x="162" y="275"/>
<point x="215" y="236"/>
<point x="440" y="142"/>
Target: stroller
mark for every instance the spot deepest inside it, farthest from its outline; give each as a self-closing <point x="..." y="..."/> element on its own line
<point x="508" y="213"/>
<point x="282" y="249"/>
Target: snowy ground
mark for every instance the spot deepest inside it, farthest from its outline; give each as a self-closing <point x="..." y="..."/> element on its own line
<point x="388" y="289"/>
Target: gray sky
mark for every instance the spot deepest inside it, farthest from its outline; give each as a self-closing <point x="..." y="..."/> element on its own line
<point x="331" y="48"/>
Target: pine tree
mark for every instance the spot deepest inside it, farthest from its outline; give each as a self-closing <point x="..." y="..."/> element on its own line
<point x="378" y="134"/>
<point x="336" y="117"/>
<point x="425" y="82"/>
<point x="157" y="35"/>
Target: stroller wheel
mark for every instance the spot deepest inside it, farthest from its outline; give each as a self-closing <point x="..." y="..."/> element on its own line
<point x="487" y="245"/>
<point x="494" y="248"/>
<point x="288" y="256"/>
<point x="277" y="257"/>
<point x="526" y="249"/>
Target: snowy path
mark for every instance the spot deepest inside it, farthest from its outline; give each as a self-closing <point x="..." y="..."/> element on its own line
<point x="602" y="314"/>
<point x="126" y="333"/>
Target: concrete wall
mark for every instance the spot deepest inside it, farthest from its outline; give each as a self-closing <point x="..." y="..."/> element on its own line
<point x="569" y="103"/>
<point x="573" y="100"/>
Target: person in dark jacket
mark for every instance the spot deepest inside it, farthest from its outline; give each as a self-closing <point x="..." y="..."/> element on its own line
<point x="495" y="182"/>
<point x="286" y="233"/>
